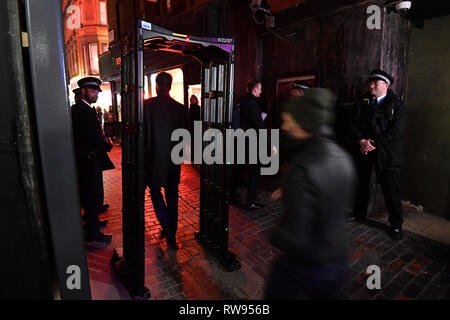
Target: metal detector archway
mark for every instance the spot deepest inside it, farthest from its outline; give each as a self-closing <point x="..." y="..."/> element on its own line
<point x="216" y="56"/>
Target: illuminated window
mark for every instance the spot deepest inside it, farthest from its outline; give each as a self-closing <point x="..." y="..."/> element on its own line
<point x="177" y="90"/>
<point x="146" y="93"/>
<point x="93" y="58"/>
<point x="103" y="19"/>
<point x="84" y="59"/>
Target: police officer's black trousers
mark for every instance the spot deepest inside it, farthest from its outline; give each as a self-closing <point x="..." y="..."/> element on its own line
<point x="236" y="179"/>
<point x="91" y="190"/>
<point x="389" y="179"/>
<point x="253" y="181"/>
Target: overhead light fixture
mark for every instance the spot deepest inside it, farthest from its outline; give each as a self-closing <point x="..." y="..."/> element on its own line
<point x="261" y="14"/>
<point x="401" y="7"/>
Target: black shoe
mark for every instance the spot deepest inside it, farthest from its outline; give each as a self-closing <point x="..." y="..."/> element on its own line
<point x="103" y="223"/>
<point x="104" y="207"/>
<point x="397" y="234"/>
<point x="254" y="206"/>
<point x="98" y="238"/>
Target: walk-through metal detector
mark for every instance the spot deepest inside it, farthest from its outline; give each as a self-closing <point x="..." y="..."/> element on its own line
<point x="216" y="56"/>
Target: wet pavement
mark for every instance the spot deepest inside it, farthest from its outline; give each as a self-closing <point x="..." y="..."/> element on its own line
<point x="414" y="268"/>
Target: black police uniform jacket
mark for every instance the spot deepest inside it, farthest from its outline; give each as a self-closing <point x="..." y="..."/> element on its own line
<point x="162" y="115"/>
<point x="250" y="113"/>
<point x="318" y="192"/>
<point x="250" y="118"/>
<point x="90" y="145"/>
<point x="385" y="124"/>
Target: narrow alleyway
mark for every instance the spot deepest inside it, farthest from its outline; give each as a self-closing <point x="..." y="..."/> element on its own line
<point x="414" y="268"/>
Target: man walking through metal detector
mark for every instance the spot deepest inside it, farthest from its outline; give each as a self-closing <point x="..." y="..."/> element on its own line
<point x="163" y="115"/>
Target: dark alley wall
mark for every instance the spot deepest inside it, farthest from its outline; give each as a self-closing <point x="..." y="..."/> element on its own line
<point x="239" y="25"/>
<point x="427" y="143"/>
<point x="337" y="48"/>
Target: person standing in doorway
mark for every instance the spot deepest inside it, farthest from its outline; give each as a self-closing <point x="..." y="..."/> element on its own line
<point x="298" y="88"/>
<point x="194" y="115"/>
<point x="109" y="120"/>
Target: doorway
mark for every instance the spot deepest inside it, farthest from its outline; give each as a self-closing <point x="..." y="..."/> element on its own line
<point x="163" y="50"/>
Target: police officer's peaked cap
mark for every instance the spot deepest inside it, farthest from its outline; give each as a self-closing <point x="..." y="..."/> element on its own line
<point x="301" y="85"/>
<point x="380" y="75"/>
<point x="90" y="82"/>
<point x="76" y="90"/>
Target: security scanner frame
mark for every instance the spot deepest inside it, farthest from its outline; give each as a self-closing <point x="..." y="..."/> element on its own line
<point x="216" y="56"/>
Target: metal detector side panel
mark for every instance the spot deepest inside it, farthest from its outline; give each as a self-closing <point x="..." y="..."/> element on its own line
<point x="132" y="266"/>
<point x="217" y="81"/>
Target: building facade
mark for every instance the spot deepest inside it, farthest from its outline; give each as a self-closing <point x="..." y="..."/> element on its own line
<point x="86" y="37"/>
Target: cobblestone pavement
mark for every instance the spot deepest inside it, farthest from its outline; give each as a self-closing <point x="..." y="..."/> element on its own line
<point x="414" y="268"/>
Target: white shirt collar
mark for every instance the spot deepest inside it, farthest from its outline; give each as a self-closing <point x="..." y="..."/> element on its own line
<point x="86" y="103"/>
<point x="378" y="99"/>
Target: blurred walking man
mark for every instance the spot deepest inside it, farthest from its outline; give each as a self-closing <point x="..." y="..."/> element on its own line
<point x="318" y="194"/>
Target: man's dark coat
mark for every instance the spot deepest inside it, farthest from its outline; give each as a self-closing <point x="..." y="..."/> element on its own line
<point x="251" y="113"/>
<point x="91" y="156"/>
<point x="162" y="115"/>
<point x="90" y="145"/>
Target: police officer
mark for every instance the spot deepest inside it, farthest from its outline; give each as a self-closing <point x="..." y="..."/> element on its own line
<point x="91" y="156"/>
<point x="298" y="88"/>
<point x="251" y="118"/>
<point x="377" y="133"/>
<point x="77" y="93"/>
